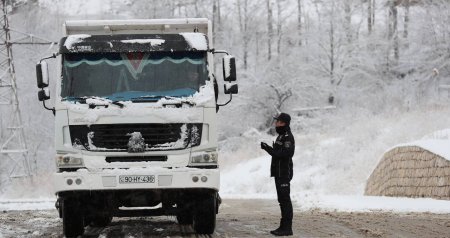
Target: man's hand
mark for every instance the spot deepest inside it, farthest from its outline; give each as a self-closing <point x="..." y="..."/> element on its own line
<point x="264" y="146"/>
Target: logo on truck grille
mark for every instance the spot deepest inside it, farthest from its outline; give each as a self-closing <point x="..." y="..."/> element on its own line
<point x="136" y="143"/>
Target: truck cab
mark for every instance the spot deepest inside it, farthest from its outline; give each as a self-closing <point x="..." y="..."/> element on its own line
<point x="135" y="110"/>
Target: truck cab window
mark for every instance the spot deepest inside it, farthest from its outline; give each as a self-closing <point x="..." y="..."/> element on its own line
<point x="131" y="76"/>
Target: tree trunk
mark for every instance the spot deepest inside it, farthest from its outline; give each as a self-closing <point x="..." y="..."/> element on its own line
<point x="395" y="25"/>
<point x="373" y="14"/>
<point x="239" y="15"/>
<point x="393" y="29"/>
<point x="406" y="21"/>
<point x="279" y="25"/>
<point x="332" y="48"/>
<point x="269" y="30"/>
<point x="246" y="35"/>
<point x="243" y="24"/>
<point x="348" y="20"/>
<point x="369" y="16"/>
<point x="299" y="21"/>
<point x="196" y="9"/>
<point x="214" y="22"/>
<point x="218" y="13"/>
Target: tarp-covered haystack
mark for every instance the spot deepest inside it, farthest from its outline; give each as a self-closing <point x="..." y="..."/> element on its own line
<point x="419" y="169"/>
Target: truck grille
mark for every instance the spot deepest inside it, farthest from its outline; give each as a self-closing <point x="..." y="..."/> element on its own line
<point x="136" y="159"/>
<point x="135" y="137"/>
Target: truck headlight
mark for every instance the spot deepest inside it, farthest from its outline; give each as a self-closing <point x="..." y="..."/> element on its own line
<point x="204" y="159"/>
<point x="65" y="161"/>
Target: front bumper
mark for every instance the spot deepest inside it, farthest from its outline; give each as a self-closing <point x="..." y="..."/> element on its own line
<point x="164" y="178"/>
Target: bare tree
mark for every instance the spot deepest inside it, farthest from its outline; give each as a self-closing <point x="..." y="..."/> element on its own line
<point x="269" y="30"/>
<point x="279" y="26"/>
<point x="243" y="26"/>
<point x="393" y="31"/>
<point x="369" y="16"/>
<point x="348" y="20"/>
<point x="407" y="4"/>
<point x="299" y="21"/>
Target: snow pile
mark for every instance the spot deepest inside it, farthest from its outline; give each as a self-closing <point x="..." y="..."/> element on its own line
<point x="27" y="204"/>
<point x="367" y="204"/>
<point x="195" y="40"/>
<point x="152" y="42"/>
<point x="74" y="39"/>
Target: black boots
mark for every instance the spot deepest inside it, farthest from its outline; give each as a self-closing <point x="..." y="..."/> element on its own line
<point x="279" y="227"/>
<point x="285" y="228"/>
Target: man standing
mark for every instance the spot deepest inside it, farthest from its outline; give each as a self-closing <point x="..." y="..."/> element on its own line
<point x="281" y="168"/>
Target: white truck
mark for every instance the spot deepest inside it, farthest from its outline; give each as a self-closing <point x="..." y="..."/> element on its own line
<point x="135" y="121"/>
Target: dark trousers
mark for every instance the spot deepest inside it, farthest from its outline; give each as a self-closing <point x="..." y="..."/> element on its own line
<point x="284" y="198"/>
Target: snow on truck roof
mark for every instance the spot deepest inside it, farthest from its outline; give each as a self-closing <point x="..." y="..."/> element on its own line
<point x="137" y="26"/>
<point x="139" y="35"/>
<point x="187" y="41"/>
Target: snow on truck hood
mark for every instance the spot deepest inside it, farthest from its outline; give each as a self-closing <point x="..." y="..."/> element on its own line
<point x="185" y="41"/>
<point x="158" y="111"/>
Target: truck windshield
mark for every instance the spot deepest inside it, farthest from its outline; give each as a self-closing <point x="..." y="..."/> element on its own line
<point x="133" y="76"/>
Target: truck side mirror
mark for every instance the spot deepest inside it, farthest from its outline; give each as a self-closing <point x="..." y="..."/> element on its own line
<point x="231" y="88"/>
<point x="42" y="74"/>
<point x="229" y="68"/>
<point x="44" y="94"/>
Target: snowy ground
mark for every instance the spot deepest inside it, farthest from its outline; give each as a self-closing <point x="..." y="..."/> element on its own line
<point x="339" y="203"/>
<point x="241" y="218"/>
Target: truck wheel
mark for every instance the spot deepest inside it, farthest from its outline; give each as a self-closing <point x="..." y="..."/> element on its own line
<point x="73" y="224"/>
<point x="101" y="221"/>
<point x="205" y="215"/>
<point x="185" y="218"/>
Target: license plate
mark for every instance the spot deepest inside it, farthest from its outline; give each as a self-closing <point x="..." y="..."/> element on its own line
<point x="137" y="179"/>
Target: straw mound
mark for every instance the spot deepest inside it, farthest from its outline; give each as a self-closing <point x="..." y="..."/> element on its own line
<point x="410" y="171"/>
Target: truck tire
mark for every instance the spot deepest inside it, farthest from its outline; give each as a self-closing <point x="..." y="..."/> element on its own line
<point x="101" y="221"/>
<point x="205" y="215"/>
<point x="73" y="222"/>
<point x="185" y="218"/>
<point x="184" y="214"/>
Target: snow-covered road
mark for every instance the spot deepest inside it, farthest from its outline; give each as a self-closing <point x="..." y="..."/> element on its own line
<point x="241" y="218"/>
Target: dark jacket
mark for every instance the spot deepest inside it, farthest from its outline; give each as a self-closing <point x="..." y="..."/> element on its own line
<point x="282" y="152"/>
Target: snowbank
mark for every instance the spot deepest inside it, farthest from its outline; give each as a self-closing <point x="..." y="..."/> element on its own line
<point x="367" y="204"/>
<point x="356" y="203"/>
<point x="302" y="202"/>
<point x="27" y="204"/>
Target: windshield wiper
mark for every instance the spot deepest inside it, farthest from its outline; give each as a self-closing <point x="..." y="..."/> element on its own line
<point x="83" y="100"/>
<point x="121" y="105"/>
<point x="79" y="99"/>
<point x="149" y="98"/>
